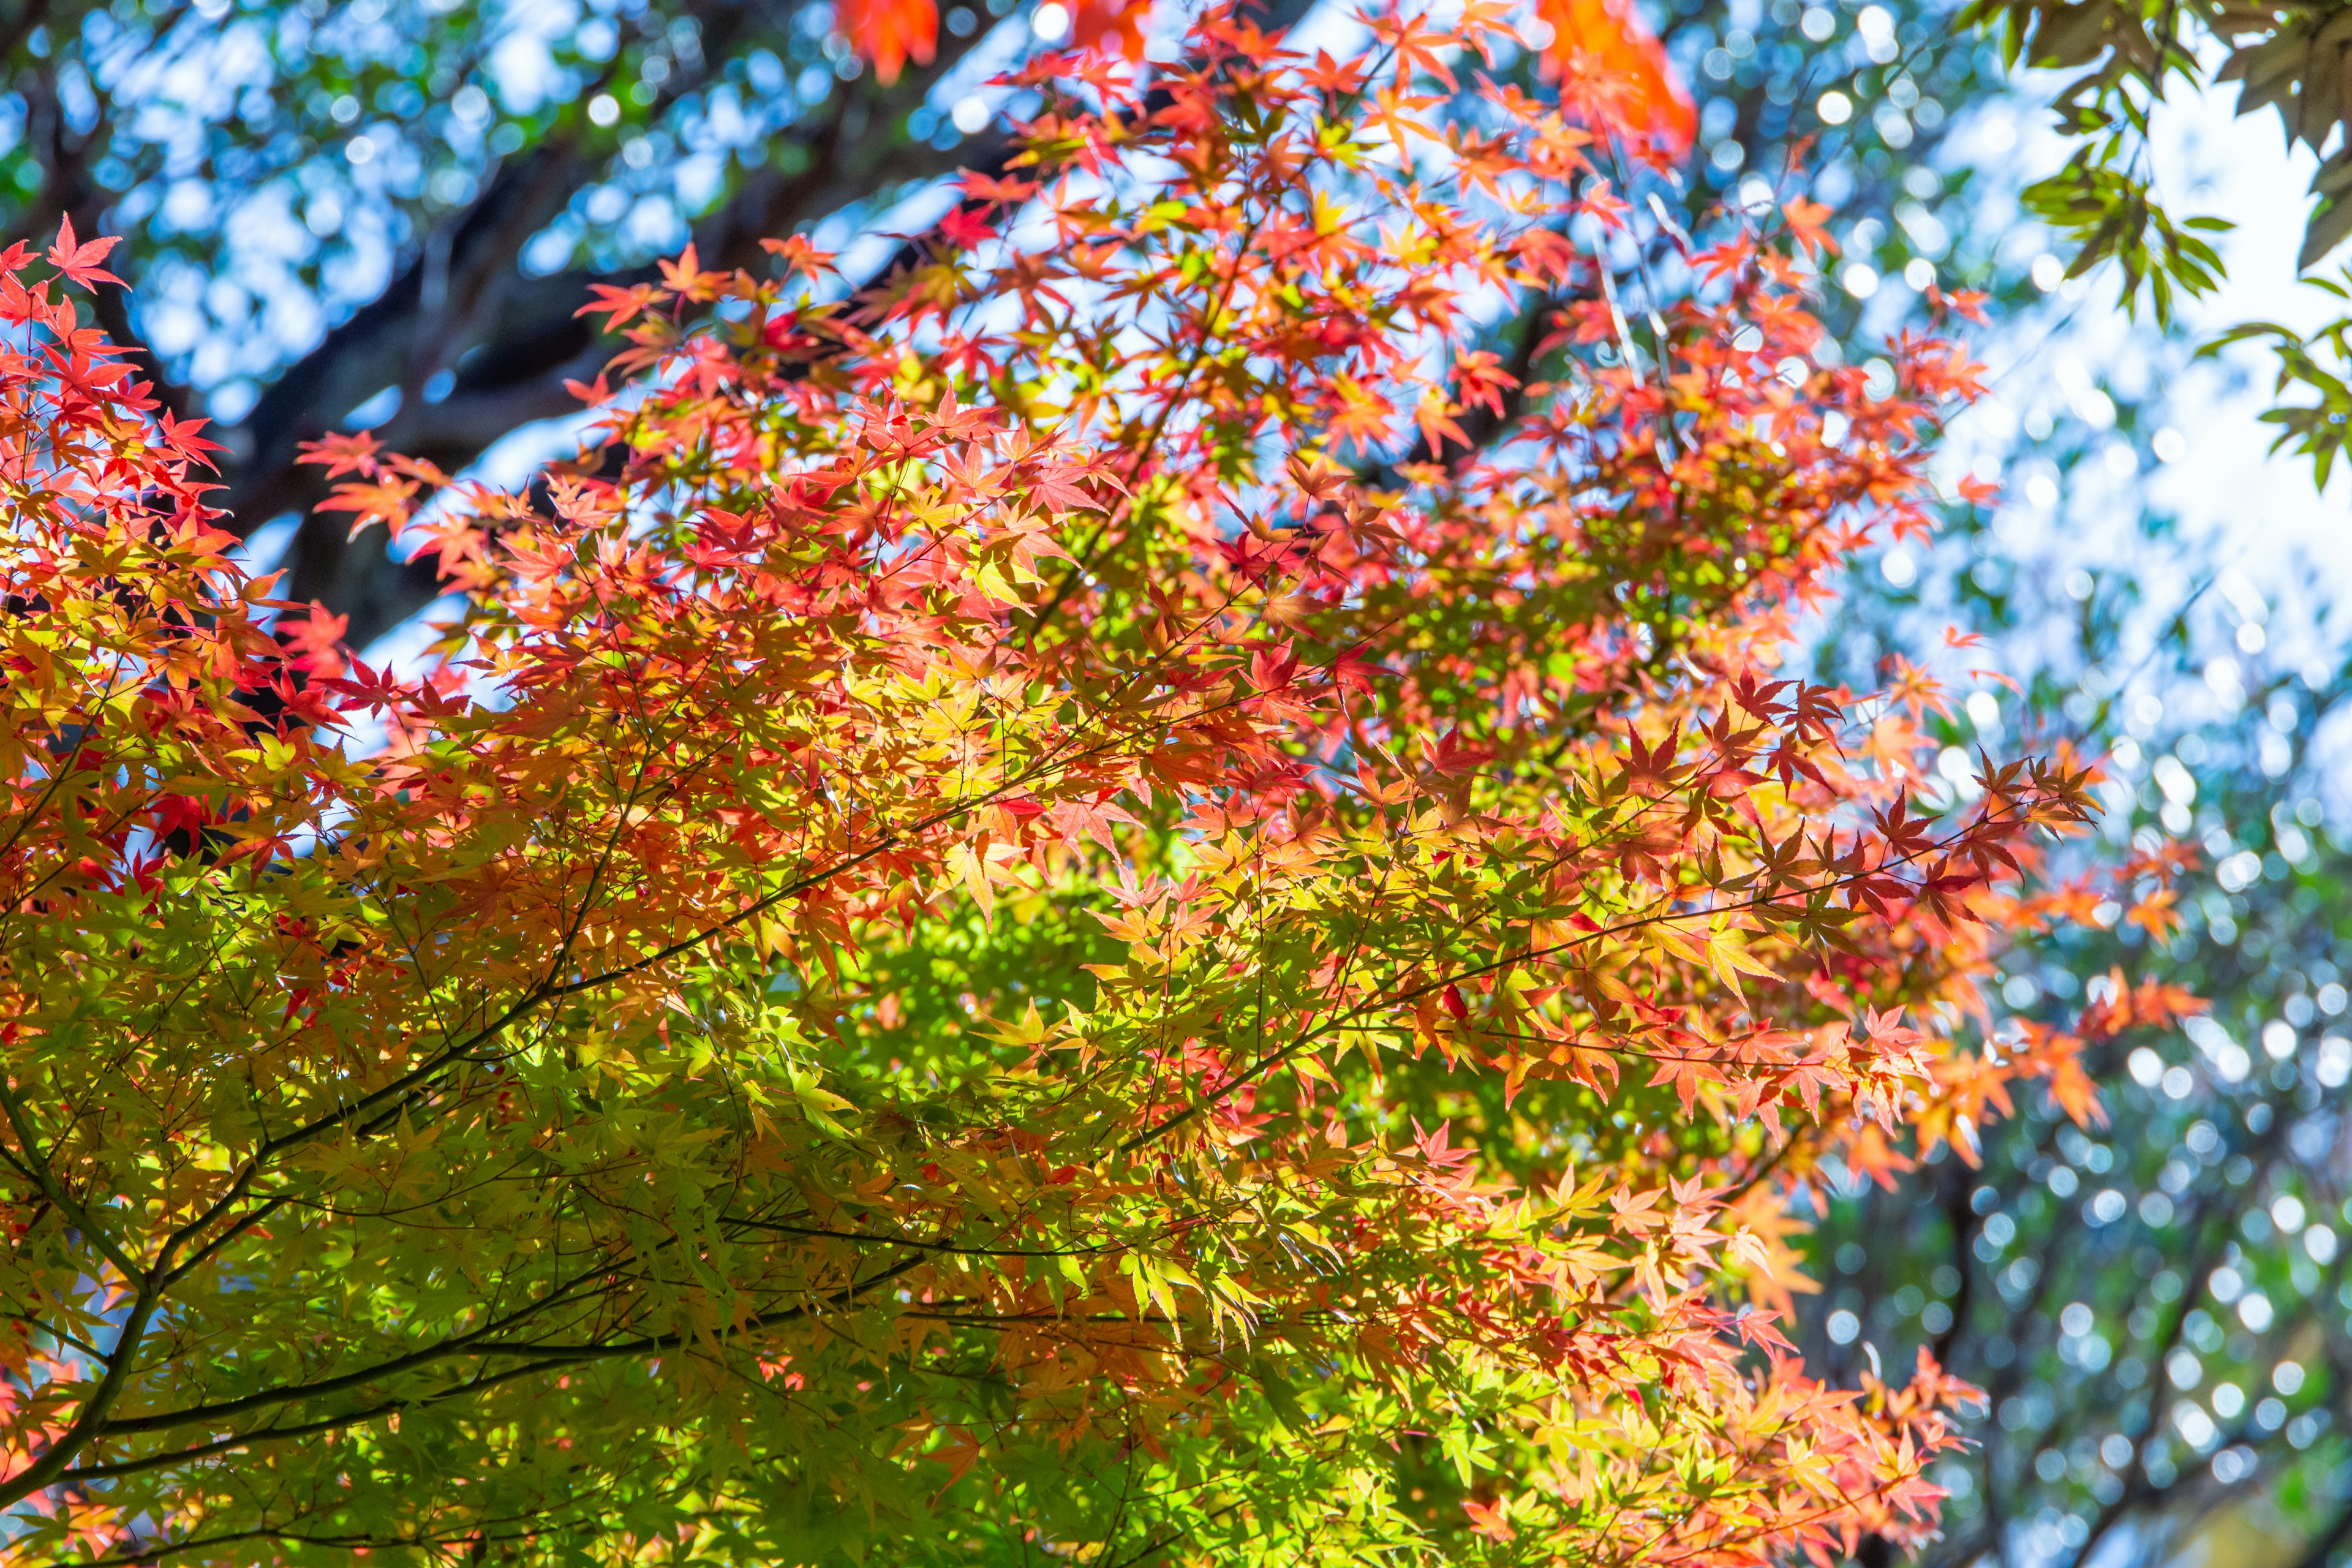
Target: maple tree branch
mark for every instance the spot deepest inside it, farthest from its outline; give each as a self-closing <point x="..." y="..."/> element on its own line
<point x="457" y="1345"/>
<point x="1516" y="960"/>
<point x="116" y="1364"/>
<point x="173" y="1459"/>
<point x="385" y="1103"/>
<point x="513" y="341"/>
<point x="36" y="1165"/>
<point x="55" y="781"/>
<point x="399" y="1091"/>
<point x="229" y="1234"/>
<point x="244" y="1440"/>
<point x="1144" y="449"/>
<point x="91" y="1420"/>
<point x="537" y="1357"/>
<point x="1054" y="759"/>
<point x="649" y="1346"/>
<point x="155" y="1552"/>
<point x="819" y="1232"/>
<point x="620" y="811"/>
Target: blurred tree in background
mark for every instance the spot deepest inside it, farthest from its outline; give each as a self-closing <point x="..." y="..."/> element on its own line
<point x="2155" y="1305"/>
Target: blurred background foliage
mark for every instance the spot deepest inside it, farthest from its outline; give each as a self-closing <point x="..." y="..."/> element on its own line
<point x="383" y="214"/>
<point x="2157" y="1307"/>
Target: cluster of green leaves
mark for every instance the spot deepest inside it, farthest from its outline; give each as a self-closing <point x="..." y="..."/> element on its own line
<point x="2320" y="363"/>
<point x="2108" y="213"/>
<point x="2127" y="53"/>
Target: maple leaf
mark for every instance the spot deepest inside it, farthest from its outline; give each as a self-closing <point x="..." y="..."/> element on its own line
<point x="1434" y="416"/>
<point x="1489" y="1519"/>
<point x="2072" y="1091"/>
<point x="1604" y="37"/>
<point x="980" y="186"/>
<point x="684" y="280"/>
<point x="619" y="305"/>
<point x="890" y="33"/>
<point x="1809" y="226"/>
<point x="341" y="453"/>
<point x="1333" y="78"/>
<point x="1746" y="1250"/>
<point x="78" y="261"/>
<point x="800" y="254"/>
<point x="181" y="436"/>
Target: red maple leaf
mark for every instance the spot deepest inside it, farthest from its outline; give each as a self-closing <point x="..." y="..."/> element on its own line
<point x="79" y="260"/>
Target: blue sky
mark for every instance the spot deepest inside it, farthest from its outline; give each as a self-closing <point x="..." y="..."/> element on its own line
<point x="2260" y="513"/>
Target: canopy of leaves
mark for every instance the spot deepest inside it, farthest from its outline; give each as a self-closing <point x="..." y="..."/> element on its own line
<point x="389" y="212"/>
<point x="980" y="940"/>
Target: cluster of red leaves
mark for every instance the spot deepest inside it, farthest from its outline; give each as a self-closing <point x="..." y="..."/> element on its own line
<point x="1483" y="942"/>
<point x="1616" y="70"/>
<point x="890" y="33"/>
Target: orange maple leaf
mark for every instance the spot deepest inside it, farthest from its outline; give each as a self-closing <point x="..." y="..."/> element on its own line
<point x="1486" y="1519"/>
<point x="890" y="33"/>
<point x="2156" y="915"/>
<point x="1099" y="20"/>
<point x="1809" y="225"/>
<point x="800" y="255"/>
<point x="1607" y="41"/>
<point x="341" y="453"/>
